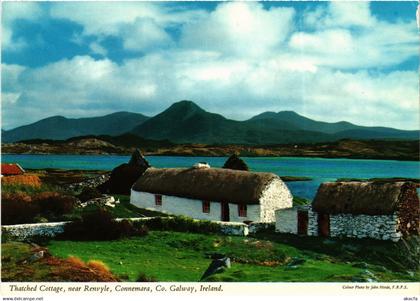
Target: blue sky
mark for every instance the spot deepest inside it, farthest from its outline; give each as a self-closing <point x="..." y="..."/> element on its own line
<point x="354" y="61"/>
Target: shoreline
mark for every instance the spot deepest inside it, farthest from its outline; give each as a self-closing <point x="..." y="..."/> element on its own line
<point x="385" y="158"/>
<point x="408" y="150"/>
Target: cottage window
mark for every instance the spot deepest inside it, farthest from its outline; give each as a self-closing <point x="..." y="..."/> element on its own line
<point x="242" y="210"/>
<point x="158" y="199"/>
<point x="206" y="206"/>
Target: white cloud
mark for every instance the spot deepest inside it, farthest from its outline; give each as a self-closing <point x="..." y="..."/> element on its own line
<point x="141" y="25"/>
<point x="341" y="13"/>
<point x="144" y="34"/>
<point x="239" y="28"/>
<point x="12" y="11"/>
<point x="97" y="48"/>
<point x="347" y="36"/>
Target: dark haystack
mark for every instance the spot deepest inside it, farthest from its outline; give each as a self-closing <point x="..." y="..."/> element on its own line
<point x="209" y="184"/>
<point x="124" y="175"/>
<point x="236" y="163"/>
<point x="372" y="198"/>
<point x="137" y="159"/>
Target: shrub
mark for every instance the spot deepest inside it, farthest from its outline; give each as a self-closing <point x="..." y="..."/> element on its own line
<point x="99" y="225"/>
<point x="89" y="193"/>
<point x="74" y="269"/>
<point x="29" y="180"/>
<point x="55" y="203"/>
<point x="141" y="230"/>
<point x="17" y="208"/>
<point x="98" y="266"/>
<point x="181" y="224"/>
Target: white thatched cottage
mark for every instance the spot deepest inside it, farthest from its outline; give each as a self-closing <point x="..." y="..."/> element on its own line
<point x="380" y="210"/>
<point x="212" y="193"/>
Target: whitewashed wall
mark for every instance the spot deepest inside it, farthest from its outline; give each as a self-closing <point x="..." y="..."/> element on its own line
<point x="176" y="205"/>
<point x="286" y="220"/>
<point x="252" y="214"/>
<point x="275" y="196"/>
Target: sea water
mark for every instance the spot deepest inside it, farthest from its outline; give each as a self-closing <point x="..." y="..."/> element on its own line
<point x="319" y="170"/>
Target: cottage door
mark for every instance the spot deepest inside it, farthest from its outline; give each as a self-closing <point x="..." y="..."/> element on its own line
<point x="302" y="223"/>
<point x="323" y="225"/>
<point x="225" y="216"/>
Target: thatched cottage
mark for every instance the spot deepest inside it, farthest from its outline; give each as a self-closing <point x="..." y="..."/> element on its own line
<point x="380" y="210"/>
<point x="212" y="193"/>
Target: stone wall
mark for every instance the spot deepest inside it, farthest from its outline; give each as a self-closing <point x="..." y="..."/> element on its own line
<point x="312" y="223"/>
<point x="384" y="227"/>
<point x="286" y="220"/>
<point x="260" y="226"/>
<point x="275" y="196"/>
<point x="231" y="228"/>
<point x="25" y="231"/>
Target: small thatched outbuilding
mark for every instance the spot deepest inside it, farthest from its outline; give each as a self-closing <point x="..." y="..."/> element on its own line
<point x="376" y="209"/>
<point x="212" y="193"/>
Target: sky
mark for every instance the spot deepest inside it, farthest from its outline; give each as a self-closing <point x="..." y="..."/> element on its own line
<point x="330" y="61"/>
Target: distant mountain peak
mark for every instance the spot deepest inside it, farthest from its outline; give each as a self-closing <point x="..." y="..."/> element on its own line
<point x="185" y="104"/>
<point x="183" y="108"/>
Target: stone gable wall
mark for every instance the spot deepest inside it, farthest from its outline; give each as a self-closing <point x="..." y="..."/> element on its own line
<point x="383" y="227"/>
<point x="275" y="196"/>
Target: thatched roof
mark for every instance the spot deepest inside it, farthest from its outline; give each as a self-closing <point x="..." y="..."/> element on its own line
<point x="236" y="163"/>
<point x="373" y="198"/>
<point x="210" y="184"/>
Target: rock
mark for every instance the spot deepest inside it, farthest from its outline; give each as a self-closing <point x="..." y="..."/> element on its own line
<point x="216" y="266"/>
<point x="123" y="176"/>
<point x="236" y="163"/>
<point x="35" y="257"/>
<point x="104" y="200"/>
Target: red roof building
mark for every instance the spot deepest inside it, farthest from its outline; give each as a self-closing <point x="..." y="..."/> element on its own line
<point x="11" y="169"/>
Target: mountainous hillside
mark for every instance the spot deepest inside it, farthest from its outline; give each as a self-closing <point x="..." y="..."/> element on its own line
<point x="186" y="122"/>
<point x="305" y="123"/>
<point x="340" y="130"/>
<point x="59" y="127"/>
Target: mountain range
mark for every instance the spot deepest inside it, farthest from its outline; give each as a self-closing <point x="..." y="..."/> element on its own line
<point x="186" y="122"/>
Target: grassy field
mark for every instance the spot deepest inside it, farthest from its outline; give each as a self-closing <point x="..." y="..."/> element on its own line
<point x="173" y="256"/>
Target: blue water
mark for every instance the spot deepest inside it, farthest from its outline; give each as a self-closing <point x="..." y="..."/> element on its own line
<point x="320" y="170"/>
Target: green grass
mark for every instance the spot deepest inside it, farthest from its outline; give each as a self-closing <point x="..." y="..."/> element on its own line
<point x="12" y="270"/>
<point x="174" y="256"/>
<point x="298" y="201"/>
<point x="28" y="189"/>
